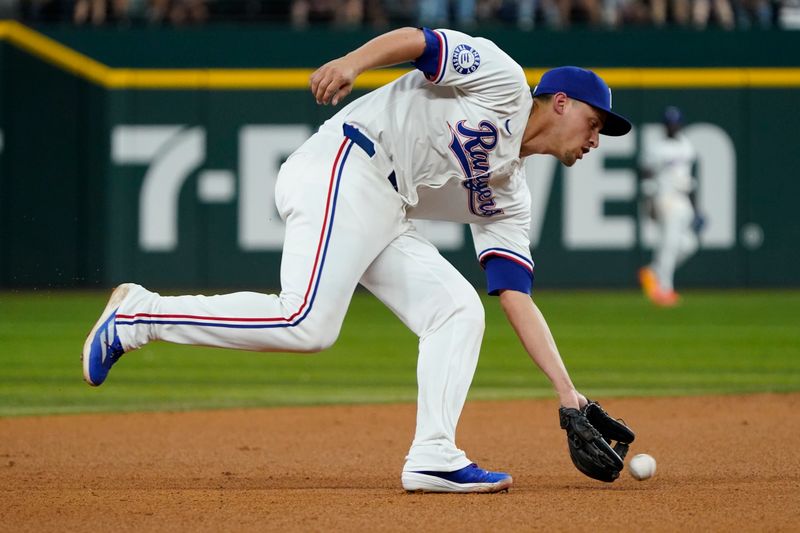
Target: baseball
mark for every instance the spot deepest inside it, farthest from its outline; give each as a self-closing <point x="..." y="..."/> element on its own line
<point x="642" y="466"/>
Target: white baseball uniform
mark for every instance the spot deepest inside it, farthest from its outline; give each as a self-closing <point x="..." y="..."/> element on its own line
<point x="441" y="142"/>
<point x="670" y="159"/>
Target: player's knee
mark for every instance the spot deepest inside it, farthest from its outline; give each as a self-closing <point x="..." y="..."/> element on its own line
<point x="469" y="308"/>
<point x="324" y="341"/>
<point x="313" y="345"/>
<point x="461" y="304"/>
<point x="315" y="339"/>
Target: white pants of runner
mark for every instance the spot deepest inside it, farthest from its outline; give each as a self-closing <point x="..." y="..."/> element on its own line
<point x="677" y="241"/>
<point x="345" y="224"/>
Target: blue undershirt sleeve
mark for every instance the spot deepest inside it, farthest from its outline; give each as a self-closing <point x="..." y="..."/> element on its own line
<point x="504" y="274"/>
<point x="428" y="62"/>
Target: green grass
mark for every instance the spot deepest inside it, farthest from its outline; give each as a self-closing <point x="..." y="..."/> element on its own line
<point x="614" y="343"/>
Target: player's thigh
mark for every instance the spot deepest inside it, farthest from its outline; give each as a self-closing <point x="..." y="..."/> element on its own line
<point x="675" y="214"/>
<point x="420" y="286"/>
<point x="339" y="215"/>
<point x="689" y="241"/>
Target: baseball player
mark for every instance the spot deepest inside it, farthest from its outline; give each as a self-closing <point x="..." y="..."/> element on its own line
<point x="444" y="141"/>
<point x="667" y="187"/>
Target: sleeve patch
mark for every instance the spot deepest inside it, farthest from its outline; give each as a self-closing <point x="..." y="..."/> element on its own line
<point x="466" y="59"/>
<point x="431" y="62"/>
<point x="505" y="274"/>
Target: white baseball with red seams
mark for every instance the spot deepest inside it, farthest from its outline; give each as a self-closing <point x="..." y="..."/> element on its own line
<point x="642" y="466"/>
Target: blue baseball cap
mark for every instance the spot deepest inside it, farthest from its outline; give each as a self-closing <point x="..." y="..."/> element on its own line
<point x="588" y="87"/>
<point x="673" y="115"/>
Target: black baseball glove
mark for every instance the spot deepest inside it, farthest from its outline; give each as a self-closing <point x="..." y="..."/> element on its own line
<point x="590" y="432"/>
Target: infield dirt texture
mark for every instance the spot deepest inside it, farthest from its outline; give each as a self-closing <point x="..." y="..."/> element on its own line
<point x="724" y="464"/>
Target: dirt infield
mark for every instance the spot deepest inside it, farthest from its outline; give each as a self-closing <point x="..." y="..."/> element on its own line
<point x="724" y="464"/>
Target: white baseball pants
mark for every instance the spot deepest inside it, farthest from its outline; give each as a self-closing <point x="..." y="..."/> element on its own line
<point x="345" y="224"/>
<point x="678" y="241"/>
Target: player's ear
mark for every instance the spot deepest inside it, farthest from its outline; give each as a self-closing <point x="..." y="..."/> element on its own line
<point x="559" y="102"/>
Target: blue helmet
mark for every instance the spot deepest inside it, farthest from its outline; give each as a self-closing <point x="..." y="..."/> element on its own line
<point x="673" y="115"/>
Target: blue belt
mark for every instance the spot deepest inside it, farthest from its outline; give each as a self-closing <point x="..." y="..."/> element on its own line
<point x="363" y="142"/>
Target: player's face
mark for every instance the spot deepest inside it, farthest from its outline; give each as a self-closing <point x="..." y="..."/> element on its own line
<point x="672" y="128"/>
<point x="581" y="131"/>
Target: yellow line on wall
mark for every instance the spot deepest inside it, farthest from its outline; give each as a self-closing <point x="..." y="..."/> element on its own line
<point x="54" y="52"/>
<point x="69" y="60"/>
<point x="723" y="77"/>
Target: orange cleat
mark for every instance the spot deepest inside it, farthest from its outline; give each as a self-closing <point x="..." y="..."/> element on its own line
<point x="648" y="281"/>
<point x="666" y="298"/>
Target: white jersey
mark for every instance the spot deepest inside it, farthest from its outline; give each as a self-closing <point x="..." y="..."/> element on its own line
<point x="452" y="138"/>
<point x="670" y="160"/>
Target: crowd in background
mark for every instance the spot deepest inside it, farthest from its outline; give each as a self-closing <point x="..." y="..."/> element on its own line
<point x="465" y="14"/>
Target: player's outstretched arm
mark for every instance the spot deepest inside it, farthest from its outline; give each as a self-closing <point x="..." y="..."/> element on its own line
<point x="534" y="333"/>
<point x="334" y="80"/>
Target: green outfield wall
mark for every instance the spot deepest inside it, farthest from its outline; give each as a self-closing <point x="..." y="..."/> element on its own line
<point x="151" y="154"/>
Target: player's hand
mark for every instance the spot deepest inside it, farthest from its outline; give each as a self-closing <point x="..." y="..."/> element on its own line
<point x="573" y="399"/>
<point x="698" y="222"/>
<point x="333" y="81"/>
<point x="590" y="433"/>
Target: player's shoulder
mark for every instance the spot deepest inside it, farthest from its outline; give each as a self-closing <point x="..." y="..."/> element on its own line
<point x="683" y="140"/>
<point x="481" y="48"/>
<point x="455" y="37"/>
